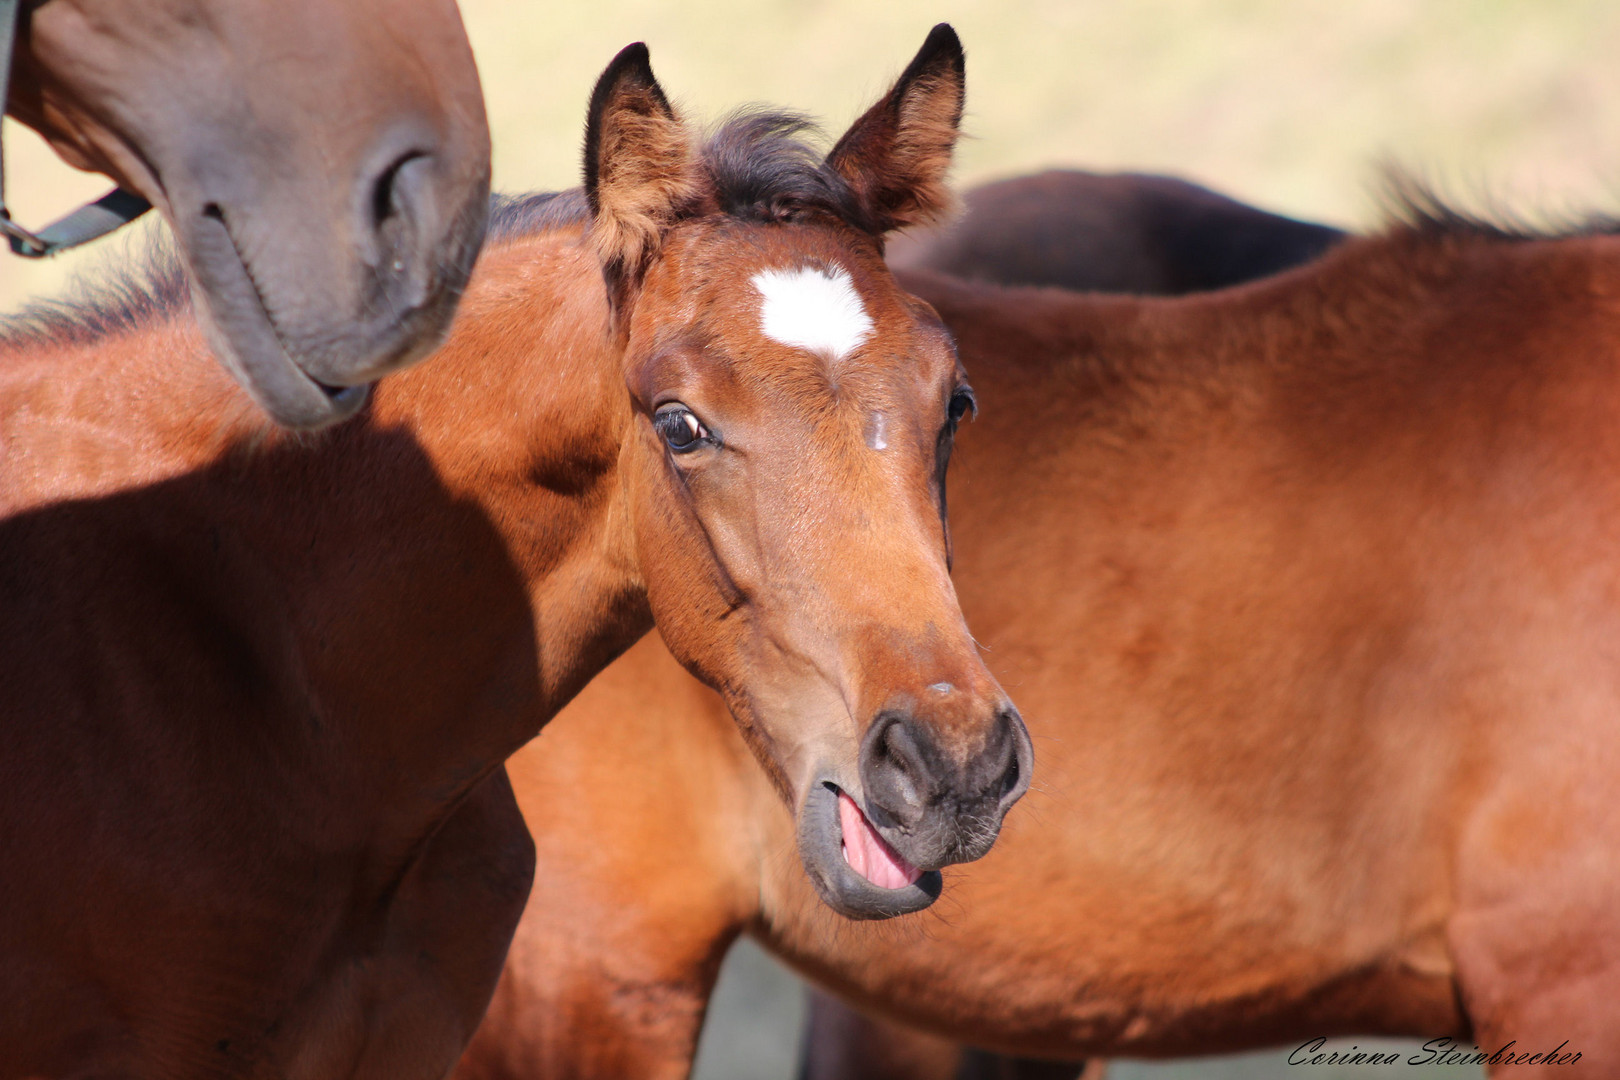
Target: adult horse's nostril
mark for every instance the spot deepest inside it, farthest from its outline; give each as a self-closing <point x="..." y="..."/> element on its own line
<point x="387" y="196"/>
<point x="404" y="230"/>
<point x="402" y="222"/>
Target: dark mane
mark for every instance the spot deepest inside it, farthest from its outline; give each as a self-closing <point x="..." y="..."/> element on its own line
<point x="142" y="286"/>
<point x="759" y="165"/>
<point x="1411" y="203"/>
<point x="512" y="217"/>
<point x="763" y="169"/>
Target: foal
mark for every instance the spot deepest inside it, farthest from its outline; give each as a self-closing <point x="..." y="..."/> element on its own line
<point x="1307" y="589"/>
<point x="258" y="687"/>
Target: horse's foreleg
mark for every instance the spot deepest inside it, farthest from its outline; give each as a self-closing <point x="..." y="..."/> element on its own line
<point x="1542" y="988"/>
<point x="407" y="1006"/>
<point x="568" y="1021"/>
<point x="1536" y="936"/>
<point x="608" y="977"/>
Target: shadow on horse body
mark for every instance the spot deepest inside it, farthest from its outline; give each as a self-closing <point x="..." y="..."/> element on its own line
<point x="1307" y="592"/>
<point x="324" y="165"/>
<point x="260" y="685"/>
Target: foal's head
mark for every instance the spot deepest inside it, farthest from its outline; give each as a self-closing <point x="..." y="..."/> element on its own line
<point x="794" y="416"/>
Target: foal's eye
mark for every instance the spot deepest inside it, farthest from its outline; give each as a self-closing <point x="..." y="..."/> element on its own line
<point x="962" y="403"/>
<point x="680" y="428"/>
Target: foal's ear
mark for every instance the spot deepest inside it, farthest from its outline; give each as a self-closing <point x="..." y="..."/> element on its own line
<point x="641" y="173"/>
<point x="895" y="157"/>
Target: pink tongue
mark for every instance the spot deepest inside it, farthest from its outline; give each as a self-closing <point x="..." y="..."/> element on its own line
<point x="866" y="852"/>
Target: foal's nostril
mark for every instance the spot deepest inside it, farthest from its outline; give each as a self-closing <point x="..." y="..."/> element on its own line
<point x="895" y="772"/>
<point x="1009" y="781"/>
<point x="992" y="772"/>
<point x="1020" y="754"/>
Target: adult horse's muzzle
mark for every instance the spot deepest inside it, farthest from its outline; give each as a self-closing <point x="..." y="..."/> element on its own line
<point x="307" y="319"/>
<point x="878" y="855"/>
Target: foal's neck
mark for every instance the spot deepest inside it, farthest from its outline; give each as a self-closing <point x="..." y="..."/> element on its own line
<point x="520" y="418"/>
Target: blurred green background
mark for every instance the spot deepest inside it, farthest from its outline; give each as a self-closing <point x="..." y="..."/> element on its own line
<point x="1286" y="103"/>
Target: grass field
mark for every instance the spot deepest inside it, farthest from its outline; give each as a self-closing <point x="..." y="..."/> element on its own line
<point x="1289" y="103"/>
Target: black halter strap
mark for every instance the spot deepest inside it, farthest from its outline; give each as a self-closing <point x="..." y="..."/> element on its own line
<point x="117" y="207"/>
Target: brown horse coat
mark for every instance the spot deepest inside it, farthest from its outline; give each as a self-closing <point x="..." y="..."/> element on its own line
<point x="1307" y="591"/>
<point x="324" y="165"/>
<point x="258" y="686"/>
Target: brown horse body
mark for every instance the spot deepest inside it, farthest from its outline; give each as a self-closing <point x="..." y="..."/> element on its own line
<point x="325" y="167"/>
<point x="259" y="686"/>
<point x="1307" y="590"/>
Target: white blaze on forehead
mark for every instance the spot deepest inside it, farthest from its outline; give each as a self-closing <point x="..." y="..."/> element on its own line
<point x="812" y="309"/>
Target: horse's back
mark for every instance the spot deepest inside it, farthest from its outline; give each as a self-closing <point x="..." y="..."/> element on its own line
<point x="1129" y="233"/>
<point x="81" y="418"/>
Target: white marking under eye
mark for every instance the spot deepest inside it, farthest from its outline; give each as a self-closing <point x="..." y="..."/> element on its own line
<point x="812" y="309"/>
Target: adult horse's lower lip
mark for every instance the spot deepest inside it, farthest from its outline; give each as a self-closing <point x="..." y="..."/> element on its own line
<point x="246" y="341"/>
<point x="345" y="399"/>
<point x="856" y="874"/>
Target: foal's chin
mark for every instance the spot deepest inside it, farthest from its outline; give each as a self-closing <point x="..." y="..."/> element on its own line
<point x="841" y="887"/>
